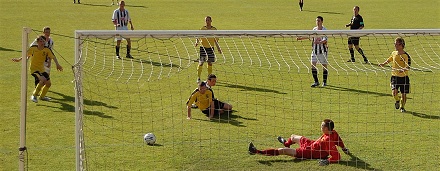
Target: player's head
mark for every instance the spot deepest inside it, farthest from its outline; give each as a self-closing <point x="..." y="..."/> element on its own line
<point x="327" y="125"/>
<point x="356" y="10"/>
<point x="41" y="38"/>
<point x="46" y="31"/>
<point x="208" y="20"/>
<point x="319" y="20"/>
<point x="212" y="79"/>
<point x="202" y="87"/>
<point x="399" y="43"/>
<point x="121" y="4"/>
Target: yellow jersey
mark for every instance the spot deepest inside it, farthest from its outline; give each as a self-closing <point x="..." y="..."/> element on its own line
<point x="38" y="57"/>
<point x="203" y="101"/>
<point x="398" y="62"/>
<point x="208" y="42"/>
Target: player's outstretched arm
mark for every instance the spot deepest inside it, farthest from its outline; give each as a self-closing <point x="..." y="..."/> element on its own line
<point x="17" y="59"/>
<point x="302" y="38"/>
<point x="188" y="116"/>
<point x="59" y="67"/>
<point x="384" y="63"/>
<point x="211" y="112"/>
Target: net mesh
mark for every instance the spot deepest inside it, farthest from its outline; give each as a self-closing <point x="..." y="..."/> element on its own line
<point x="266" y="77"/>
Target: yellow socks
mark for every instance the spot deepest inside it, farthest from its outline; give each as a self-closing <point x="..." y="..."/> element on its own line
<point x="199" y="70"/>
<point x="209" y="69"/>
<point x="396" y="98"/>
<point x="37" y="90"/>
<point x="44" y="91"/>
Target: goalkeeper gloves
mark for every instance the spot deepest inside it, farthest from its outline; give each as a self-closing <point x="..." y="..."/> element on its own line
<point x="346" y="151"/>
<point x="323" y="162"/>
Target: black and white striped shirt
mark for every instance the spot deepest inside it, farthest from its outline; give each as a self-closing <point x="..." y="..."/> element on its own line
<point x="319" y="48"/>
<point x="121" y="17"/>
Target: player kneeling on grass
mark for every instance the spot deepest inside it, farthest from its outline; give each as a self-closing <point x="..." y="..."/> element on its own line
<point x="309" y="149"/>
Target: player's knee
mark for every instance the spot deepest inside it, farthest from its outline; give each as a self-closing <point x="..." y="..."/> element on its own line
<point x="227" y="107"/>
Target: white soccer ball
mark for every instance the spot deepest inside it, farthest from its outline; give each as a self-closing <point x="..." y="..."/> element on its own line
<point x="150" y="138"/>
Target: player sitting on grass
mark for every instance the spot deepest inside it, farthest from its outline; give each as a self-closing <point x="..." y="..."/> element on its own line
<point x="220" y="106"/>
<point x="309" y="149"/>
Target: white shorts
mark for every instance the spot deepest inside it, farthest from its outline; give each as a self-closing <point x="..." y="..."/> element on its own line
<point x="46" y="68"/>
<point x="121" y="28"/>
<point x="321" y="58"/>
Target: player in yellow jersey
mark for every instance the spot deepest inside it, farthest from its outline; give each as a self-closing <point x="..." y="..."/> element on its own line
<point x="38" y="55"/>
<point x="207" y="48"/>
<point x="203" y="99"/>
<point x="400" y="64"/>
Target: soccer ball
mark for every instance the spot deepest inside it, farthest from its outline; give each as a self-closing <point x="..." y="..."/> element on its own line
<point x="150" y="138"/>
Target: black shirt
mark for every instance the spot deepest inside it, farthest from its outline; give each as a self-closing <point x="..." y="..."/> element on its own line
<point x="356" y="22"/>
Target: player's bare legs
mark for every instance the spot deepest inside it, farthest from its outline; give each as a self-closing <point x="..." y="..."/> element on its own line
<point x="287" y="151"/>
<point x="227" y="106"/>
<point x="272" y="151"/>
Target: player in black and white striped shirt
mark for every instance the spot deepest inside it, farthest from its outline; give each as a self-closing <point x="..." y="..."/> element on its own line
<point x="121" y="19"/>
<point x="319" y="53"/>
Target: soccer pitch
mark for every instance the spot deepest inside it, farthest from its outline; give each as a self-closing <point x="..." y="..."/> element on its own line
<point x="378" y="136"/>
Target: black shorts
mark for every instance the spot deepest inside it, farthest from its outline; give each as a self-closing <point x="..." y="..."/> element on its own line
<point x="353" y="40"/>
<point x="400" y="83"/>
<point x="217" y="106"/>
<point x="206" y="53"/>
<point x="37" y="75"/>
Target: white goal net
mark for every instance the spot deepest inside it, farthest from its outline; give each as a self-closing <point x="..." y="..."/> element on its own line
<point x="266" y="77"/>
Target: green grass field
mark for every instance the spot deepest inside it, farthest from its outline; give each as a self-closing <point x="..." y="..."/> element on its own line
<point x="267" y="102"/>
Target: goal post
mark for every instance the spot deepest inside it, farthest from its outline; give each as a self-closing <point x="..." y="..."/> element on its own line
<point x="264" y="74"/>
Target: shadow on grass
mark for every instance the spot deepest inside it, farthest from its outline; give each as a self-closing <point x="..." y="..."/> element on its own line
<point x="356" y="90"/>
<point x="247" y="88"/>
<point x="66" y="101"/>
<point x="357" y="163"/>
<point x="269" y="162"/>
<point x="156" y="144"/>
<point x="229" y="118"/>
<point x="325" y="12"/>
<point x="353" y="162"/>
<point x="158" y="64"/>
<point x="116" y="6"/>
<point x="422" y="115"/>
<point x="9" y="50"/>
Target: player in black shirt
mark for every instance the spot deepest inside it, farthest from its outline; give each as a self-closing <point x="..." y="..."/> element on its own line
<point x="356" y="23"/>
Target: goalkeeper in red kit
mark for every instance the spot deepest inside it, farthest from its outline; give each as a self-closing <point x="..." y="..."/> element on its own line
<point x="321" y="148"/>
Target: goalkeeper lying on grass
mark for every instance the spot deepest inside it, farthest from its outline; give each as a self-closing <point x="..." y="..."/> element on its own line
<point x="321" y="148"/>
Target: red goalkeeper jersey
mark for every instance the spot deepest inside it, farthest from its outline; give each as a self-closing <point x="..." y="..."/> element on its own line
<point x="328" y="142"/>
